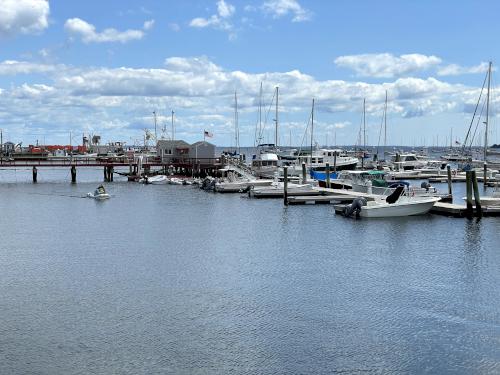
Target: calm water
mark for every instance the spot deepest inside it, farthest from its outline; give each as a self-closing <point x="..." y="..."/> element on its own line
<point x="173" y="280"/>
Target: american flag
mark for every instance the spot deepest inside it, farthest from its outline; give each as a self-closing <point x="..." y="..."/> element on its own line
<point x="208" y="134"/>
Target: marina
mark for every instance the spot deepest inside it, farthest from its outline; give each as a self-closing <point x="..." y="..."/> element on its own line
<point x="258" y="187"/>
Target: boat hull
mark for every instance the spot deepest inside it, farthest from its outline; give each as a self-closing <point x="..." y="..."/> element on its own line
<point x="420" y="207"/>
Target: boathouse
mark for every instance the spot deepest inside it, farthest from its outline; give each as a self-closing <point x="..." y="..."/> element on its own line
<point x="171" y="151"/>
<point x="202" y="150"/>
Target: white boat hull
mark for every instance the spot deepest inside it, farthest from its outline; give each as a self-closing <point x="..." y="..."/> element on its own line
<point x="399" y="209"/>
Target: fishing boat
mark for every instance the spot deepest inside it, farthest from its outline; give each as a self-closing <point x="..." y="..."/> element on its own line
<point x="99" y="193"/>
<point x="395" y="205"/>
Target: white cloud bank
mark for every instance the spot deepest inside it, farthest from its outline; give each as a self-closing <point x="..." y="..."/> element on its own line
<point x="88" y="34"/>
<point x="455" y="70"/>
<point x="23" y="16"/>
<point x="218" y="21"/>
<point x="280" y="8"/>
<point x="386" y="65"/>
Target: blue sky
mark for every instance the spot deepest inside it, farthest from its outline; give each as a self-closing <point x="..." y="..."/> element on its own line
<point x="104" y="67"/>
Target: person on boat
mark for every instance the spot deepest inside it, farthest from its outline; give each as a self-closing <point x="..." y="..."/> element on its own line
<point x="100" y="190"/>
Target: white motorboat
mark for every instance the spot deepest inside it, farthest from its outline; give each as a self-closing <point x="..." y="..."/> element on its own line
<point x="156" y="180"/>
<point x="175" y="181"/>
<point x="99" y="194"/>
<point x="395" y="205"/>
<point x="404" y="206"/>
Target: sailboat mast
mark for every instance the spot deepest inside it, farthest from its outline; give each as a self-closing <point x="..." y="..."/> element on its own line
<point x="276" y="127"/>
<point x="236" y="130"/>
<point x="260" y="114"/>
<point x="154" y="116"/>
<point x="487" y="113"/>
<point x="385" y="124"/>
<point x="364" y="125"/>
<point x="172" y="122"/>
<point x="312" y="128"/>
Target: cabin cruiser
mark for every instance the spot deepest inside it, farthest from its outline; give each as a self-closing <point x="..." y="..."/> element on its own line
<point x="155" y="180"/>
<point x="408" y="162"/>
<point x="265" y="161"/>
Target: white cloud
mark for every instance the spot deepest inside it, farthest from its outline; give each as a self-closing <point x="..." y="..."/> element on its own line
<point x="23" y="16"/>
<point x="174" y="26"/>
<point x="280" y="8"/>
<point x="201" y="92"/>
<point x="88" y="34"/>
<point x="13" y="67"/>
<point x="148" y="25"/>
<point x="386" y="65"/>
<point x="455" y="70"/>
<point x="218" y="21"/>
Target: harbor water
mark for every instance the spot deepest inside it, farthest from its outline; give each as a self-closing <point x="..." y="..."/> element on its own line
<point x="173" y="280"/>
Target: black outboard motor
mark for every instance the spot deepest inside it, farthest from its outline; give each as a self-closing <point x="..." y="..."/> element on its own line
<point x="354" y="207"/>
<point x="425" y="185"/>
<point x="395" y="195"/>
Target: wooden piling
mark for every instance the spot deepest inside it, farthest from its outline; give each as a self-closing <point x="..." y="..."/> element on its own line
<point x="105" y="174"/>
<point x="468" y="184"/>
<point x="327" y="170"/>
<point x="304" y="174"/>
<point x="448" y="170"/>
<point x="111" y="171"/>
<point x="285" y="186"/>
<point x="73" y="174"/>
<point x="477" y="199"/>
<point x="35" y="175"/>
<point x="335" y="162"/>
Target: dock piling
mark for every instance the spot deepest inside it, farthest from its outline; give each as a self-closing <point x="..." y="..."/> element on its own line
<point x="327" y="170"/>
<point x="35" y="175"/>
<point x="448" y="170"/>
<point x="73" y="174"/>
<point x="285" y="186"/>
<point x="468" y="183"/>
<point x="304" y="174"/>
<point x="477" y="199"/>
<point x="334" y="162"/>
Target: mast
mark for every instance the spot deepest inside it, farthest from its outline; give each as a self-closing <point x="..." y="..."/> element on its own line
<point x="236" y="130"/>
<point x="451" y="139"/>
<point x="260" y="114"/>
<point x="364" y="125"/>
<point x="276" y="128"/>
<point x="172" y="121"/>
<point x="385" y="124"/>
<point x="312" y="128"/>
<point x="156" y="134"/>
<point x="487" y="113"/>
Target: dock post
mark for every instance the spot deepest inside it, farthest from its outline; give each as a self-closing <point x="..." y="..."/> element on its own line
<point x="35" y="174"/>
<point x="485" y="174"/>
<point x="111" y="171"/>
<point x="73" y="174"/>
<point x="477" y="199"/>
<point x="448" y="170"/>
<point x="327" y="170"/>
<point x="335" y="162"/>
<point x="105" y="174"/>
<point x="468" y="183"/>
<point x="304" y="175"/>
<point x="285" y="186"/>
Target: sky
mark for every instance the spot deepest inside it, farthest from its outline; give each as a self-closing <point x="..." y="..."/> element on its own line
<point x="69" y="68"/>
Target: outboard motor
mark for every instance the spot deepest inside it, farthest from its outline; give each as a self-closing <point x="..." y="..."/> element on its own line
<point x="354" y="207"/>
<point x="425" y="185"/>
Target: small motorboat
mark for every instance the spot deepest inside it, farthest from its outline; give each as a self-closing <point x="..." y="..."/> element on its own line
<point x="176" y="181"/>
<point x="156" y="180"/>
<point x="395" y="205"/>
<point x="99" y="193"/>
